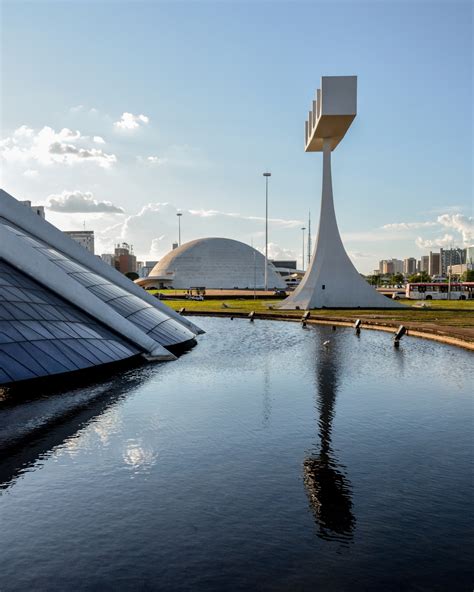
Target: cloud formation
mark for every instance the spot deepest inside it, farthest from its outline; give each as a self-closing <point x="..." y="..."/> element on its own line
<point x="408" y="225"/>
<point x="154" y="228"/>
<point x="129" y="121"/>
<point x="157" y="160"/>
<point x="462" y="224"/>
<point x="279" y="253"/>
<point x="445" y="241"/>
<point x="178" y="155"/>
<point x="30" y="173"/>
<point x="73" y="202"/>
<point x="275" y="221"/>
<point x="47" y="146"/>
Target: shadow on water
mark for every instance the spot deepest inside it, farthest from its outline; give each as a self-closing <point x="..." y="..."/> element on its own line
<point x="64" y="414"/>
<point x="328" y="489"/>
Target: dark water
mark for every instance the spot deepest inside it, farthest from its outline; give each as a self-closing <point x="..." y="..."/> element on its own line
<point x="260" y="460"/>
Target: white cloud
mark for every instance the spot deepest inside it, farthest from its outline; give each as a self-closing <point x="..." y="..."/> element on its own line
<point x="98" y="140"/>
<point x="450" y="209"/>
<point x="462" y="224"/>
<point x="275" y="221"/>
<point x="154" y="228"/>
<point x="47" y="146"/>
<point x="408" y="225"/>
<point x="23" y="132"/>
<point x="129" y="121"/>
<point x="30" y="173"/>
<point x="278" y="253"/>
<point x="80" y="202"/>
<point x="157" y="246"/>
<point x="445" y="241"/>
<point x="178" y="155"/>
<point x="156" y="160"/>
<point x="373" y="236"/>
<point x="82" y="109"/>
<point x="359" y="255"/>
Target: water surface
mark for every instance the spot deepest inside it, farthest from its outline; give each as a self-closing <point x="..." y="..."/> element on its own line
<point x="261" y="459"/>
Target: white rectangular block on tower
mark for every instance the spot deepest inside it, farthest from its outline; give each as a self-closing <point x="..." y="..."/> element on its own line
<point x="333" y="112"/>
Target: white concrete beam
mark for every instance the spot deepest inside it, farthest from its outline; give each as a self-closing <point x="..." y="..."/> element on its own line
<point x="33" y="263"/>
<point x="27" y="220"/>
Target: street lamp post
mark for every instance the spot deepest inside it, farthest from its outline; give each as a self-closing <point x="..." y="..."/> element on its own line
<point x="302" y="253"/>
<point x="179" y="214"/>
<point x="266" y="175"/>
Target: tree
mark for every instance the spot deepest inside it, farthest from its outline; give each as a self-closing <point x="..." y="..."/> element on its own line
<point x="373" y="280"/>
<point x="398" y="278"/>
<point x="468" y="276"/>
<point x="419" y="278"/>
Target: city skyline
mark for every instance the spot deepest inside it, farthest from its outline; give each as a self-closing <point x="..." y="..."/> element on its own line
<point x="134" y="137"/>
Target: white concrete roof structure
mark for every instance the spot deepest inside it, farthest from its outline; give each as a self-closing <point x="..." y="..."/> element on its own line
<point x="13" y="211"/>
<point x="331" y="280"/>
<point x="213" y="263"/>
<point x="59" y="302"/>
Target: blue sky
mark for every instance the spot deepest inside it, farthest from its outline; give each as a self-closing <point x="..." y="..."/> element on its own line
<point x="223" y="89"/>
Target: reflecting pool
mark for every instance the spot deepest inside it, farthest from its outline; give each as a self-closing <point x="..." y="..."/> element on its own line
<point x="260" y="460"/>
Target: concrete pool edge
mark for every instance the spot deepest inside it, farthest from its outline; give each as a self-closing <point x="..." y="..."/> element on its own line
<point x="389" y="327"/>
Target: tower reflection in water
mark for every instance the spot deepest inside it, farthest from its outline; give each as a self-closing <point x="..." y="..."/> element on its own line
<point x="328" y="488"/>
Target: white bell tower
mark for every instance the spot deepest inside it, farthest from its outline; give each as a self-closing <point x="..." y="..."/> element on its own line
<point x="331" y="280"/>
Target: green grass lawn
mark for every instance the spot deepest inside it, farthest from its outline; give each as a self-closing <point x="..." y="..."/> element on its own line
<point x="455" y="314"/>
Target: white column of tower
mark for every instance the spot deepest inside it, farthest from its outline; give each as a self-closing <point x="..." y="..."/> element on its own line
<point x="331" y="280"/>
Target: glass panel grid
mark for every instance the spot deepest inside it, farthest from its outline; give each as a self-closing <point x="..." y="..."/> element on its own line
<point x="39" y="338"/>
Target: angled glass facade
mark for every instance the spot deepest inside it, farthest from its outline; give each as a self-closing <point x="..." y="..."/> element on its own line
<point x="43" y="335"/>
<point x="156" y="324"/>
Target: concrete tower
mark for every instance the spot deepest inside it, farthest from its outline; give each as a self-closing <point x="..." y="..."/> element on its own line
<point x="331" y="280"/>
<point x="310" y="249"/>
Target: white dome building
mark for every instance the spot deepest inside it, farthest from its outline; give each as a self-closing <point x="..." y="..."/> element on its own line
<point x="213" y="263"/>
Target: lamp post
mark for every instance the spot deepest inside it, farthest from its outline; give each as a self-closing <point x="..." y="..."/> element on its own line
<point x="266" y="175"/>
<point x="302" y="253"/>
<point x="179" y="214"/>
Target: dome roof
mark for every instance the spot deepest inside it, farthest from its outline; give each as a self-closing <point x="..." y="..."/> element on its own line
<point x="215" y="263"/>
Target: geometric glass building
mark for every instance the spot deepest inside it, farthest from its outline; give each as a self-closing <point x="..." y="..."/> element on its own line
<point x="62" y="309"/>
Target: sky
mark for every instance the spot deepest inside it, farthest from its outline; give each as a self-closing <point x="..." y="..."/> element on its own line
<point x="116" y="115"/>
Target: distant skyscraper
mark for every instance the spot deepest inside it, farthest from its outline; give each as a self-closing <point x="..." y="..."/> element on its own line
<point x="390" y="266"/>
<point x="397" y="265"/>
<point x="126" y="260"/>
<point x="409" y="266"/>
<point x="434" y="263"/>
<point x="84" y="237"/>
<point x="108" y="258"/>
<point x="470" y="255"/>
<point x="425" y="263"/>
<point x="451" y="257"/>
<point x="146" y="267"/>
